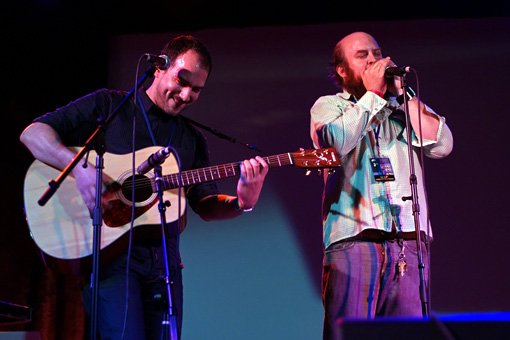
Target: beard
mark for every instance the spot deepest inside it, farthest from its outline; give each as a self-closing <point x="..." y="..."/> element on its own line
<point x="352" y="84"/>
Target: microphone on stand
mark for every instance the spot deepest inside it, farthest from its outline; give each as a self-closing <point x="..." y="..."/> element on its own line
<point x="161" y="61"/>
<point x="157" y="158"/>
<point x="392" y="71"/>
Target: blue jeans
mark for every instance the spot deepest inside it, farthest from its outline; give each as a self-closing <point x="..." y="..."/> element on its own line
<point x="145" y="298"/>
<point x="361" y="280"/>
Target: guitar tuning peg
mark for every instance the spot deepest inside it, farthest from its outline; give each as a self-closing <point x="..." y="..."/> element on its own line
<point x="307" y="172"/>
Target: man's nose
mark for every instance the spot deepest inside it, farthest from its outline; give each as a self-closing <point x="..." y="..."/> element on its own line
<point x="371" y="58"/>
<point x="185" y="94"/>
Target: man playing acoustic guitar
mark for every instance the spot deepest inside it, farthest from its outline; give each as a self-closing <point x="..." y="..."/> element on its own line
<point x="155" y="115"/>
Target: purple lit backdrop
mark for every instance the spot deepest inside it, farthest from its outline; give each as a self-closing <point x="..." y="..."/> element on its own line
<point x="265" y="80"/>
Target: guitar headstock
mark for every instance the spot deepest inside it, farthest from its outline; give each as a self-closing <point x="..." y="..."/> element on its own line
<point x="317" y="158"/>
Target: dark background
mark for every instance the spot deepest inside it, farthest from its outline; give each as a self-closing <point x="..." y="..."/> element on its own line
<point x="270" y="65"/>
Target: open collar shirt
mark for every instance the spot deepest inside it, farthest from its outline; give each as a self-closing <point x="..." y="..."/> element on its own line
<point x="353" y="200"/>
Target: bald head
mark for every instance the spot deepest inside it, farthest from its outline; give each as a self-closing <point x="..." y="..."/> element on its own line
<point x="355" y="38"/>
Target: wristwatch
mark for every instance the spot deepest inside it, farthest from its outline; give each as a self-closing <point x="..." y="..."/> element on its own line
<point x="238" y="208"/>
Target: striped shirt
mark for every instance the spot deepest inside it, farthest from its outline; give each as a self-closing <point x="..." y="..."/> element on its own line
<point x="352" y="199"/>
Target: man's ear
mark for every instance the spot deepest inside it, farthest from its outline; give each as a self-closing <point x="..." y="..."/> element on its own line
<point x="340" y="70"/>
<point x="157" y="72"/>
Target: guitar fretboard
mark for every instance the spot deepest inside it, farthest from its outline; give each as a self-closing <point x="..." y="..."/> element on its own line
<point x="216" y="172"/>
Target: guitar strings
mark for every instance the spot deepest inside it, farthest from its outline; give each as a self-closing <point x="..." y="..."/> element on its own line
<point x="213" y="172"/>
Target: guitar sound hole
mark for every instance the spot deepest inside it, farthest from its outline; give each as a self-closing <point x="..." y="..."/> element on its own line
<point x="143" y="188"/>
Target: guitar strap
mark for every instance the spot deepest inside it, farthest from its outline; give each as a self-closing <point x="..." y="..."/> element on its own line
<point x="197" y="124"/>
<point x="220" y="134"/>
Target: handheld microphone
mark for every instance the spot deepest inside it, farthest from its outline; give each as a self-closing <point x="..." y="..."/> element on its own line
<point x="161" y="61"/>
<point x="392" y="71"/>
<point x="157" y="158"/>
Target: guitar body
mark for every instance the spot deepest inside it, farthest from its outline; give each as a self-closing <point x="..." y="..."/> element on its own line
<point x="63" y="227"/>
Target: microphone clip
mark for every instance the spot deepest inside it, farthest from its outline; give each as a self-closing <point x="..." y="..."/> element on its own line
<point x="160" y="61"/>
<point x="155" y="159"/>
<point x="409" y="93"/>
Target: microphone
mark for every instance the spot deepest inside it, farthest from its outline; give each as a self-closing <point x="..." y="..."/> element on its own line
<point x="161" y="61"/>
<point x="157" y="158"/>
<point x="392" y="71"/>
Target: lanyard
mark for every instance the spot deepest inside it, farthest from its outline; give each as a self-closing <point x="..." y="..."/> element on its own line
<point x="376" y="133"/>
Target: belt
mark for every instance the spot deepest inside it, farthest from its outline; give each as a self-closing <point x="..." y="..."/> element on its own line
<point x="375" y="235"/>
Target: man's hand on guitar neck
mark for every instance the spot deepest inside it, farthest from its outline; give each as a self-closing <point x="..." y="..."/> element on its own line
<point x="249" y="186"/>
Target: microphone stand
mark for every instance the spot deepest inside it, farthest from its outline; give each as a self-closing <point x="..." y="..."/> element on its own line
<point x="97" y="212"/>
<point x="168" y="323"/>
<point x="414" y="197"/>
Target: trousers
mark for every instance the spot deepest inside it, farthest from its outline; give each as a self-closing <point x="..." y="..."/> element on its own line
<point x="132" y="304"/>
<point x="361" y="279"/>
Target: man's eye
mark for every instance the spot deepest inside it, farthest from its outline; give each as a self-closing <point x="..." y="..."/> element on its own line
<point x="181" y="81"/>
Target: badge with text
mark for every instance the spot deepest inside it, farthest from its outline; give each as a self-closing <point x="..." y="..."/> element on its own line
<point x="381" y="167"/>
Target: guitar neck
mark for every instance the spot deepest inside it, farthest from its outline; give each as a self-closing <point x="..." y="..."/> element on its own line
<point x="217" y="172"/>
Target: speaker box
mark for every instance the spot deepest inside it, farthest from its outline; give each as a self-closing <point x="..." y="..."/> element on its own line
<point x="448" y="327"/>
<point x="20" y="336"/>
